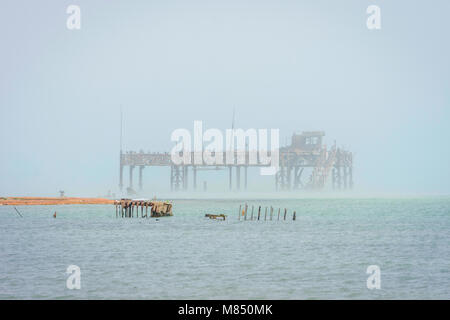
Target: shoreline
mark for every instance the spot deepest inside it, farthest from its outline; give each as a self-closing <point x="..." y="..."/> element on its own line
<point x="32" y="201"/>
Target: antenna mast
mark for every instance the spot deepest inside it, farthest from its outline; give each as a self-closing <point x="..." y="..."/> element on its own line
<point x="232" y="122"/>
<point x="232" y="132"/>
<point x="121" y="125"/>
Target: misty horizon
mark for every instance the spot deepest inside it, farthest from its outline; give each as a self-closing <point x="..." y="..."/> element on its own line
<point x="294" y="66"/>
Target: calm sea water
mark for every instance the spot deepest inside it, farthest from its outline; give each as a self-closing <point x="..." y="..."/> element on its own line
<point x="324" y="254"/>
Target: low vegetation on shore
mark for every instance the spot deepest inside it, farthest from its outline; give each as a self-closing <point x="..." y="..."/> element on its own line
<point x="26" y="201"/>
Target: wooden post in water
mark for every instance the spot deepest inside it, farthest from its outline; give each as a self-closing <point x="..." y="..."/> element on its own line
<point x="285" y="211"/>
<point x="265" y="214"/>
<point x="271" y="212"/>
<point x="239" y="213"/>
<point x="142" y="210"/>
<point x="116" y="211"/>
<point x="259" y="212"/>
<point x="293" y="217"/>
<point x="279" y="213"/>
<point x="252" y="214"/>
<point x="245" y="214"/>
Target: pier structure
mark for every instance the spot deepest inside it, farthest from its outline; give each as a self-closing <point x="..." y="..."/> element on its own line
<point x="305" y="153"/>
<point x="308" y="151"/>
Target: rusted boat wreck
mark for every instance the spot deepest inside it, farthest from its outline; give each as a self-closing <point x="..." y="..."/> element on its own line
<point x="129" y="208"/>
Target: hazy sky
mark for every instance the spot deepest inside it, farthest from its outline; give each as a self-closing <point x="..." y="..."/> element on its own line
<point x="293" y="65"/>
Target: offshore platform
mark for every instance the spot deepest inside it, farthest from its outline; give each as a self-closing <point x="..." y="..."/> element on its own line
<point x="306" y="153"/>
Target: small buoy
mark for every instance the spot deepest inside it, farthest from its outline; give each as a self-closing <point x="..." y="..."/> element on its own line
<point x="54" y="215"/>
<point x="157" y="219"/>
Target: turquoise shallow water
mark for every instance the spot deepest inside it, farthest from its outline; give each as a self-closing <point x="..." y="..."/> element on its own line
<point x="322" y="255"/>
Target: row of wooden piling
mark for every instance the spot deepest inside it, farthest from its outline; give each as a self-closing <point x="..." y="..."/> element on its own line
<point x="243" y="213"/>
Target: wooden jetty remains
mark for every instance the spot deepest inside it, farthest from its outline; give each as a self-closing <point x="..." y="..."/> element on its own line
<point x="129" y="208"/>
<point x="216" y="216"/>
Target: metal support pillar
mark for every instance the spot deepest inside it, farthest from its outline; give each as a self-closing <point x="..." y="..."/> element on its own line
<point x="277" y="176"/>
<point x="350" y="175"/>
<point x="176" y="178"/>
<point x="121" y="177"/>
<point x="333" y="178"/>
<point x="185" y="177"/>
<point x="283" y="177"/>
<point x="131" y="176"/>
<point x="280" y="178"/>
<point x="345" y="177"/>
<point x="230" y="177"/>
<point x="245" y="177"/>
<point x="194" y="173"/>
<point x="338" y="178"/>
<point x="295" y="186"/>
<point x="171" y="178"/>
<point x="297" y="177"/>
<point x="288" y="177"/>
<point x="238" y="177"/>
<point x="141" y="168"/>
